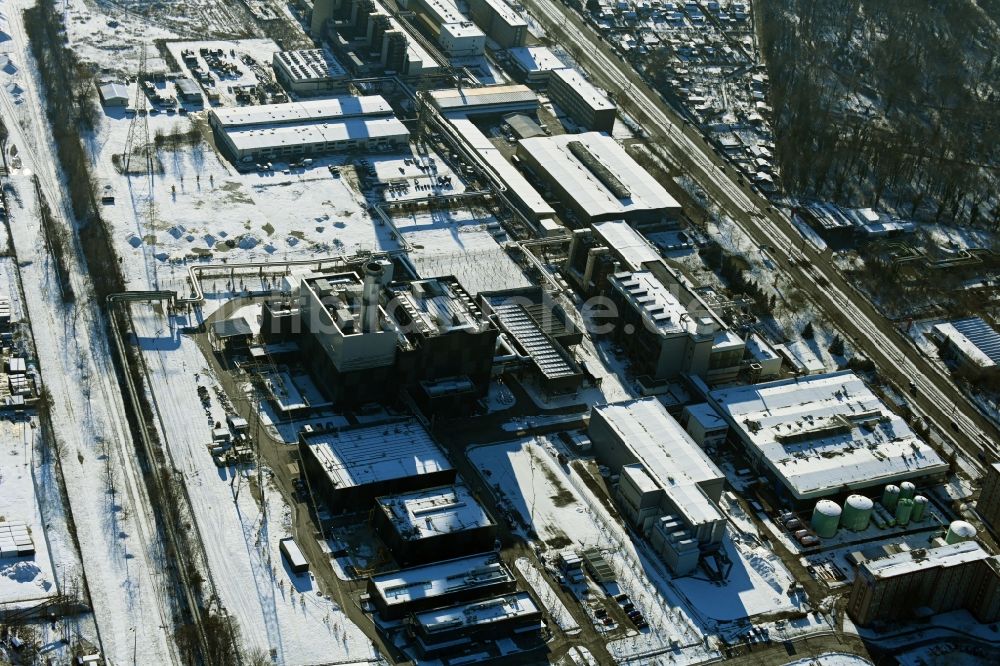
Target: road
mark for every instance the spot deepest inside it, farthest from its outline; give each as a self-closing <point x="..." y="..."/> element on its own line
<point x="122" y="555"/>
<point x="937" y="397"/>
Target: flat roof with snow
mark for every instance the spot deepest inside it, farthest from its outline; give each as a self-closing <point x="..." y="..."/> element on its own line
<point x="309" y="65"/>
<point x="626" y="242"/>
<point x="591" y="192"/>
<point x="316" y="133"/>
<point x="440" y="578"/>
<point x="660" y="308"/>
<point x="824" y="434"/>
<point x="478" y="613"/>
<point x="974" y="338"/>
<point x="670" y="456"/>
<point x="429" y="513"/>
<point x="316" y="110"/>
<point x="909" y="561"/>
<point x="594" y="97"/>
<point x="507" y="13"/>
<point x="372" y="454"/>
<point x="535" y="58"/>
<point x="466" y="99"/>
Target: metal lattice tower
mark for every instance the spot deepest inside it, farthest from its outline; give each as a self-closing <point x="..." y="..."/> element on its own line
<point x="138" y="129"/>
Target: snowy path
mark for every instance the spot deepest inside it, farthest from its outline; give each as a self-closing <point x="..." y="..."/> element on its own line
<point x="274" y="610"/>
<point x="118" y="540"/>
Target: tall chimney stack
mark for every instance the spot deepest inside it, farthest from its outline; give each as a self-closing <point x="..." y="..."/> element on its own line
<point x="374" y="273"/>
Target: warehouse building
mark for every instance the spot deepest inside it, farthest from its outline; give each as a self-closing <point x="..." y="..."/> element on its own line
<point x="971" y="343"/>
<point x="457" y="628"/>
<point x="485" y="100"/>
<point x="113" y="93"/>
<point x="914" y="584"/>
<point x="500" y="21"/>
<point x="582" y="101"/>
<point x="534" y="64"/>
<point x="401" y="593"/>
<point x="421" y="525"/>
<point x="596" y="179"/>
<point x="348" y="468"/>
<point x="295" y="129"/>
<point x="668" y="487"/>
<point x="457" y="36"/>
<point x="824" y="435"/>
<point x="309" y="71"/>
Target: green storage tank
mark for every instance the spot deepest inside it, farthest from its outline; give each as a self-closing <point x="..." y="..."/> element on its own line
<point x="857" y="513"/>
<point x="904" y="511"/>
<point x="825" y="518"/>
<point x="960" y="531"/>
<point x="907" y="490"/>
<point x="889" y="497"/>
<point x="919" y="506"/>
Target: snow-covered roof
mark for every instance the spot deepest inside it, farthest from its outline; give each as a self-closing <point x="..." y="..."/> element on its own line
<point x="706" y="416"/>
<point x="372" y="454"/>
<point x="626" y="242"/>
<point x="593" y="96"/>
<point x="434" y="580"/>
<point x="309" y="134"/>
<point x="759" y="348"/>
<point x="668" y="453"/>
<point x="461" y="29"/>
<point x="974" y="338"/>
<point x="825" y="433"/>
<point x="591" y="194"/>
<point x="535" y="58"/>
<point x="507" y="13"/>
<point x="660" y="308"/>
<point x="478" y="613"/>
<point x="909" y="561"/>
<point x="113" y="90"/>
<point x="309" y="65"/>
<point x="516" y="183"/>
<point x="465" y="99"/>
<point x="329" y="108"/>
<point x="429" y="513"/>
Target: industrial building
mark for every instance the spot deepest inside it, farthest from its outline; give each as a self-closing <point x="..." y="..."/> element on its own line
<point x="485" y="100"/>
<point x="401" y="593"/>
<point x="294" y="129"/>
<point x="582" y="101"/>
<point x="917" y="583"/>
<point x="596" y="179"/>
<point x="824" y="435"/>
<point x="668" y="487"/>
<point x="421" y="525"/>
<point x="704" y="425"/>
<point x="500" y="22"/>
<point x="457" y="36"/>
<point x="534" y="64"/>
<point x="113" y="93"/>
<point x="988" y="505"/>
<point x="309" y="71"/>
<point x="348" y="468"/>
<point x="188" y="90"/>
<point x="554" y="368"/>
<point x="972" y="343"/>
<point x="456" y="628"/>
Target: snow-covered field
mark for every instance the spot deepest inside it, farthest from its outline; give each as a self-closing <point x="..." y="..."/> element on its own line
<point x="26" y="578"/>
<point x="273" y="609"/>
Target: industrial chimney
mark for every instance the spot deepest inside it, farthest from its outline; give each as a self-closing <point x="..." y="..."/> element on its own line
<point x="374" y="274"/>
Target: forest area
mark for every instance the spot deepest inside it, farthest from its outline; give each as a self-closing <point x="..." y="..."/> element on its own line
<point x="888" y="103"/>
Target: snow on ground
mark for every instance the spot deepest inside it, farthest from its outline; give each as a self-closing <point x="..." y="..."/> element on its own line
<point x="832" y="659"/>
<point x="31" y="577"/>
<point x="553" y="604"/>
<point x="460" y="243"/>
<point x="272" y="609"/>
<point x="562" y="511"/>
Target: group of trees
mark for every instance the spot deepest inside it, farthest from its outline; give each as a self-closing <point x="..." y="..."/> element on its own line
<point x="887" y="102"/>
